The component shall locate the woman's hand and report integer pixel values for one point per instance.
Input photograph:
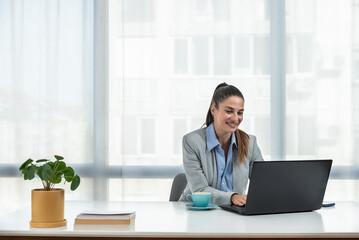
(239, 200)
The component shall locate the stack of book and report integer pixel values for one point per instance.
(105, 217)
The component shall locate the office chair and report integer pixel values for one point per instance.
(178, 185)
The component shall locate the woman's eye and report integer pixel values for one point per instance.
(228, 111)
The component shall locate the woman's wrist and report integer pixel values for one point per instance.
(232, 197)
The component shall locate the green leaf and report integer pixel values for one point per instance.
(24, 170)
(39, 171)
(69, 174)
(51, 164)
(75, 182)
(57, 178)
(58, 157)
(26, 175)
(42, 160)
(46, 172)
(31, 172)
(27, 162)
(59, 166)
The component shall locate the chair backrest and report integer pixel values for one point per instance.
(178, 185)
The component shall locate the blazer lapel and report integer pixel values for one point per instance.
(211, 160)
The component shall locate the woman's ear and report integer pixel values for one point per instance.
(213, 109)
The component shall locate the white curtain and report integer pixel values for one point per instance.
(321, 84)
(46, 90)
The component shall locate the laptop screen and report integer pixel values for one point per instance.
(287, 186)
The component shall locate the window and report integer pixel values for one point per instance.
(164, 59)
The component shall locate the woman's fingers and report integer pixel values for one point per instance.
(239, 200)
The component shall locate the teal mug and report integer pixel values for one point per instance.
(199, 199)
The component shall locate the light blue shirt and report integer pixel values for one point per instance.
(224, 168)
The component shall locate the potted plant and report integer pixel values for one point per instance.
(47, 203)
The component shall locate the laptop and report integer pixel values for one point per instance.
(285, 186)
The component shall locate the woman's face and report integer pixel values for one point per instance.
(228, 115)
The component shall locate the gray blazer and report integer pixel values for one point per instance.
(201, 168)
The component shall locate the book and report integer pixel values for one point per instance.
(105, 227)
(105, 217)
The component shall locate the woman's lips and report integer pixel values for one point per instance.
(232, 125)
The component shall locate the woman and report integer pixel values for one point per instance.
(218, 158)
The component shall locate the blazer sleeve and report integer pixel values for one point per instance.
(197, 171)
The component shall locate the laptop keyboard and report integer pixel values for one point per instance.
(238, 207)
(234, 208)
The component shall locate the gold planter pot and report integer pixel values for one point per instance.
(47, 208)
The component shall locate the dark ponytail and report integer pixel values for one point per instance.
(217, 98)
(222, 92)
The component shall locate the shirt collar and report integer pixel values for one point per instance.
(212, 140)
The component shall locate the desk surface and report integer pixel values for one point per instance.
(172, 219)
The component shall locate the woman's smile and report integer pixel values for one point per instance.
(232, 124)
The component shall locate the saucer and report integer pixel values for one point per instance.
(208, 207)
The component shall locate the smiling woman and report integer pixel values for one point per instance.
(226, 113)
(218, 158)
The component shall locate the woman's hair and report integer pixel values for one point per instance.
(222, 92)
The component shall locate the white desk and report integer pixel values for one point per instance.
(172, 220)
